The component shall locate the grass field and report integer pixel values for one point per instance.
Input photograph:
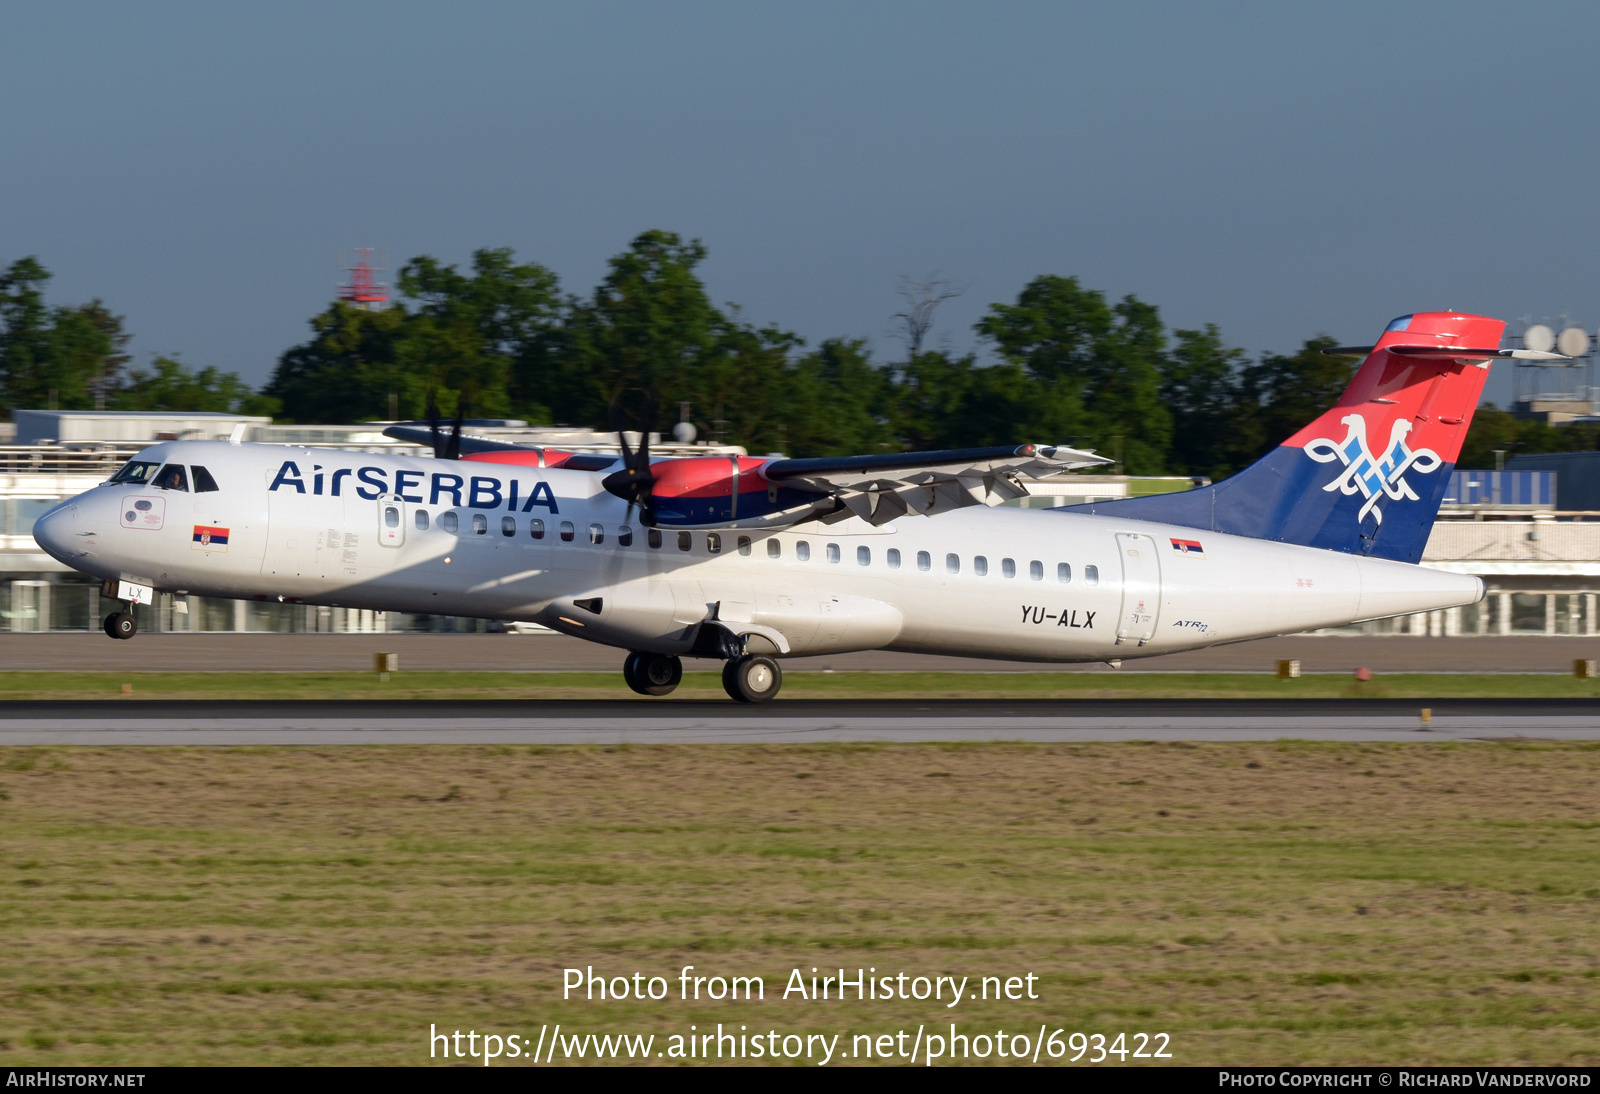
(797, 685)
(1261, 903)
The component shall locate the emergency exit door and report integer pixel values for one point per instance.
(1141, 588)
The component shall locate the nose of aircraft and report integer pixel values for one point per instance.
(54, 531)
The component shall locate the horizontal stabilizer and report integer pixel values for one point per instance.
(1449, 353)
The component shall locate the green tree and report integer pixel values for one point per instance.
(1280, 395)
(1199, 384)
(65, 356)
(1100, 365)
(839, 403)
(349, 370)
(168, 385)
(488, 336)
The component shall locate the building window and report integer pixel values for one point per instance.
(1064, 573)
(833, 552)
(422, 520)
(802, 551)
(952, 564)
(713, 542)
(1036, 570)
(508, 526)
(924, 561)
(892, 557)
(449, 522)
(536, 528)
(744, 545)
(980, 566)
(1091, 575)
(653, 537)
(597, 534)
(567, 531)
(624, 536)
(685, 540)
(774, 548)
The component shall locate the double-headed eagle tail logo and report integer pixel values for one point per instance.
(1374, 476)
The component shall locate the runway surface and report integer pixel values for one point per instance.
(253, 722)
(559, 653)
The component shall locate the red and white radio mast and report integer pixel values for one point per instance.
(361, 290)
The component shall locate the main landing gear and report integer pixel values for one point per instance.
(652, 673)
(747, 678)
(121, 625)
(752, 678)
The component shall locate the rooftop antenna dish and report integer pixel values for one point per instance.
(1539, 337)
(1573, 342)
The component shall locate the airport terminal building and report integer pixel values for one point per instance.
(1540, 562)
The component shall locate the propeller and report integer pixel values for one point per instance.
(634, 483)
(446, 448)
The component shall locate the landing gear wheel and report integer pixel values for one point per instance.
(752, 679)
(121, 625)
(652, 673)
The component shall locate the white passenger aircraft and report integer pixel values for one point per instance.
(751, 560)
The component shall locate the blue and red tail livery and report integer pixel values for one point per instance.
(1367, 476)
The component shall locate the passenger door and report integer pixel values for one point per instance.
(1141, 587)
(391, 521)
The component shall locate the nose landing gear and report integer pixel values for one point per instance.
(652, 673)
(752, 678)
(121, 625)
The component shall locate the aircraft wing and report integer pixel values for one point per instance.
(881, 488)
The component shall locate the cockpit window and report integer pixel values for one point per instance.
(203, 481)
(136, 471)
(173, 477)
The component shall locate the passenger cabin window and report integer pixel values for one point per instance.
(833, 552)
(685, 541)
(892, 557)
(952, 564)
(536, 528)
(567, 531)
(173, 477)
(713, 542)
(802, 551)
(863, 556)
(653, 537)
(744, 545)
(508, 526)
(422, 520)
(203, 482)
(1064, 573)
(448, 521)
(1008, 567)
(924, 561)
(138, 472)
(480, 524)
(1091, 575)
(1036, 570)
(597, 534)
(980, 566)
(391, 516)
(624, 536)
(774, 548)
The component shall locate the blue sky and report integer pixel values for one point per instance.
(1279, 169)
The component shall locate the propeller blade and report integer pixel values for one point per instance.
(453, 448)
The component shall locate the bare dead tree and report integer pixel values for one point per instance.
(922, 300)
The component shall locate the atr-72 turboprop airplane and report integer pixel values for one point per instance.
(751, 560)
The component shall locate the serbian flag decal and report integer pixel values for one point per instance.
(1190, 547)
(207, 538)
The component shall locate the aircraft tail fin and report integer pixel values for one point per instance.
(1366, 477)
